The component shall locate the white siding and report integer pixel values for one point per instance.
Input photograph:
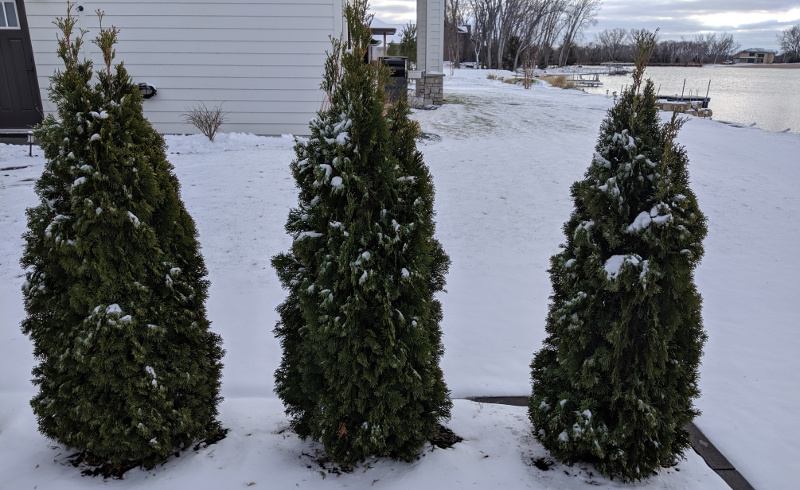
(430, 35)
(262, 59)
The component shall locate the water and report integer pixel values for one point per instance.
(768, 97)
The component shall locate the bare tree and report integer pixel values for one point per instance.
(578, 15)
(534, 25)
(612, 42)
(453, 20)
(789, 40)
(484, 15)
(551, 27)
(723, 47)
(528, 29)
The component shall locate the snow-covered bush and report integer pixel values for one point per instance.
(128, 369)
(360, 326)
(615, 379)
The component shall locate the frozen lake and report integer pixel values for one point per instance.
(769, 97)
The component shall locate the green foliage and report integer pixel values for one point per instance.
(408, 44)
(128, 369)
(614, 381)
(360, 326)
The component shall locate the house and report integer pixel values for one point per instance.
(459, 47)
(261, 60)
(754, 55)
(20, 99)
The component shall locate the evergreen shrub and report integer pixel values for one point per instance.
(615, 379)
(360, 326)
(128, 370)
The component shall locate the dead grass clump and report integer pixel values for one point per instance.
(560, 81)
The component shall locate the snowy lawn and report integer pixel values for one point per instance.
(502, 159)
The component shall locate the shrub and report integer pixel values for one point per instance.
(360, 326)
(615, 379)
(206, 120)
(128, 369)
(560, 81)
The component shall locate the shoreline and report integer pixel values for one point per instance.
(695, 65)
(763, 65)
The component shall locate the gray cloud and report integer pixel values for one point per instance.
(675, 18)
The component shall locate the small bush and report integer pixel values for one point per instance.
(560, 81)
(492, 76)
(206, 120)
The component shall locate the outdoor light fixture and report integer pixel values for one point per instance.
(30, 143)
(147, 90)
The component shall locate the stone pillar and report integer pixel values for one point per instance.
(430, 53)
(430, 90)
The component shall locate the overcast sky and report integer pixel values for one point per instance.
(753, 23)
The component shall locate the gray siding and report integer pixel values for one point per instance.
(430, 35)
(262, 59)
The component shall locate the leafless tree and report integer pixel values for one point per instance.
(534, 25)
(723, 47)
(551, 26)
(484, 15)
(528, 29)
(789, 40)
(613, 42)
(454, 19)
(578, 15)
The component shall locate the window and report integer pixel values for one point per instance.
(8, 15)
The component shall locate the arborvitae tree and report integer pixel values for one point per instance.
(360, 326)
(615, 379)
(128, 369)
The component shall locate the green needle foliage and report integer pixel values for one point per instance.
(360, 326)
(128, 369)
(615, 379)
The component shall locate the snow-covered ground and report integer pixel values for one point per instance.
(503, 159)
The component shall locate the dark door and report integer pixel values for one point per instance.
(20, 102)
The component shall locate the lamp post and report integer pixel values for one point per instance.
(30, 143)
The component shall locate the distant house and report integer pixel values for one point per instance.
(458, 43)
(261, 59)
(754, 55)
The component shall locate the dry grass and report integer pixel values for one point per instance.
(559, 81)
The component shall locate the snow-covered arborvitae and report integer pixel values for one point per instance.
(360, 327)
(615, 379)
(128, 369)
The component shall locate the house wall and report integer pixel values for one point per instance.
(430, 35)
(755, 56)
(261, 59)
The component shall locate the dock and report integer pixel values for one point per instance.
(692, 105)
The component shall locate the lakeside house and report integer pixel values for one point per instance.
(260, 60)
(754, 55)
